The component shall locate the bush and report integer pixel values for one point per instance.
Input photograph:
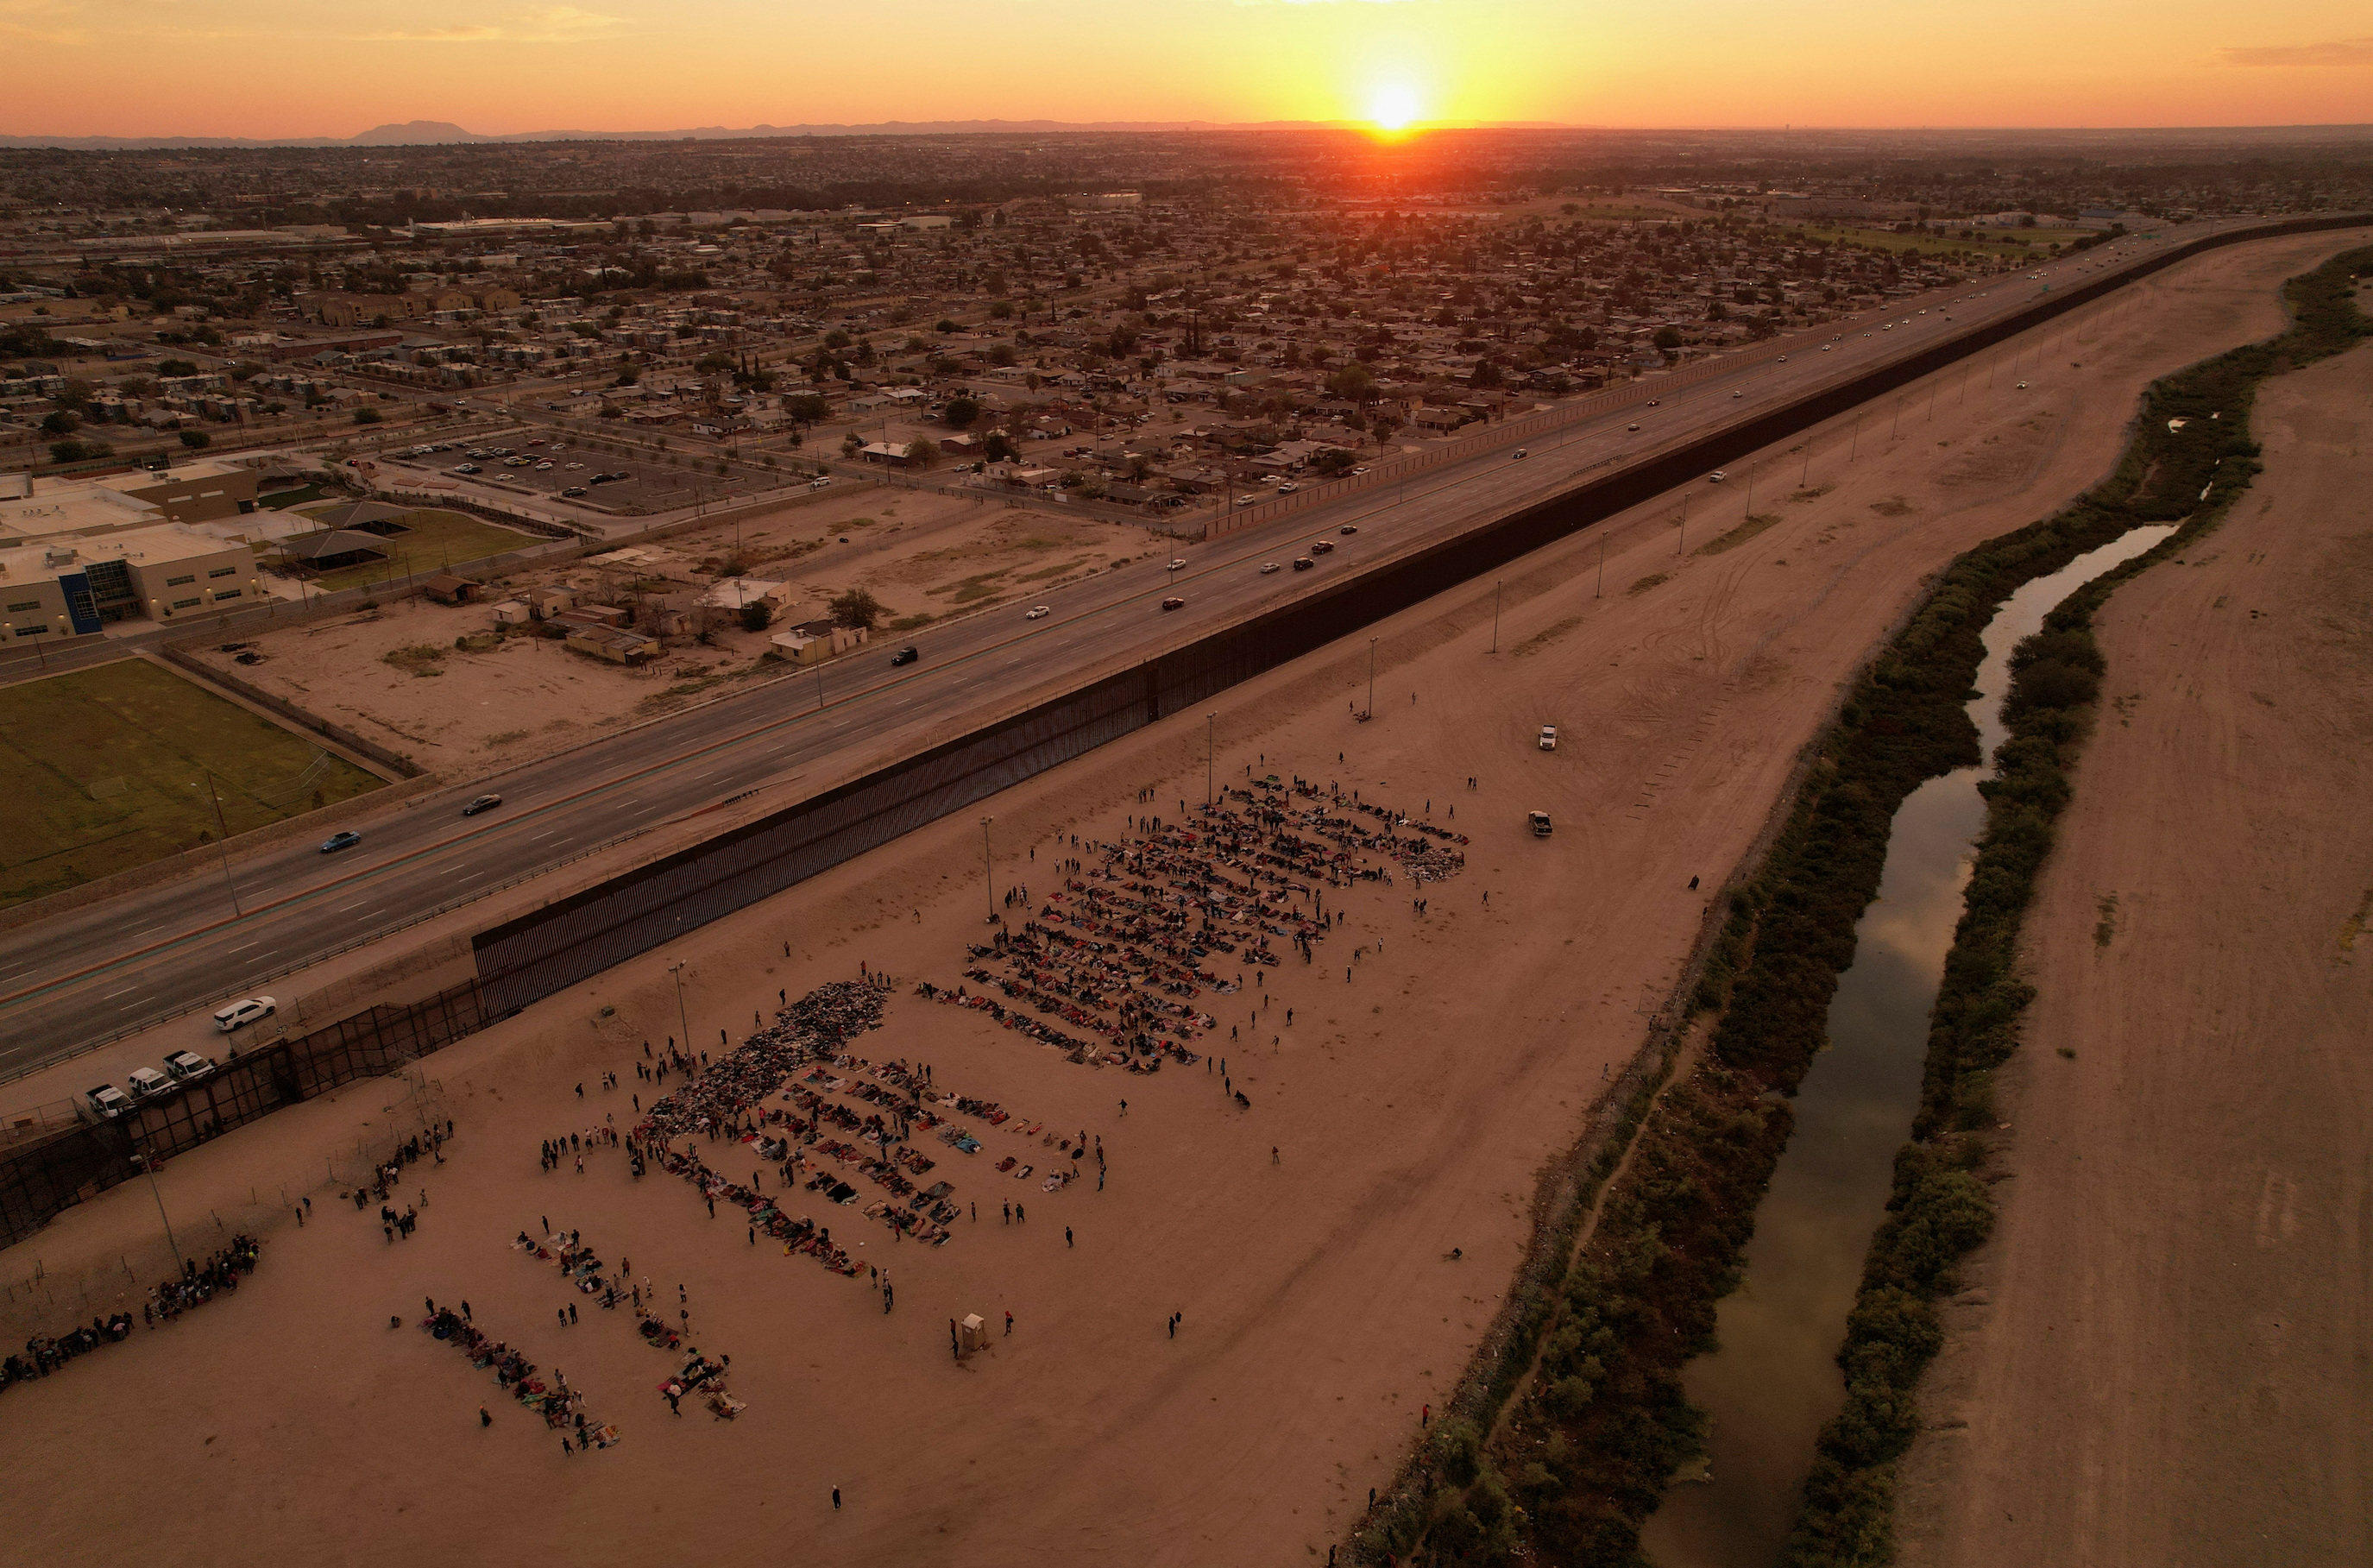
(857, 609)
(757, 615)
(196, 441)
(367, 415)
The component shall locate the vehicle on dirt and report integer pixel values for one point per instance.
(237, 1013)
(1540, 821)
(1548, 737)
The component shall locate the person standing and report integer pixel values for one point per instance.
(835, 1499)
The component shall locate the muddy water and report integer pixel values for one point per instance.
(1775, 1380)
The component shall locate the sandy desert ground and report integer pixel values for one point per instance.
(2161, 1356)
(1408, 1108)
(467, 713)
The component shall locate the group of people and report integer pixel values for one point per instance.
(560, 1406)
(196, 1284)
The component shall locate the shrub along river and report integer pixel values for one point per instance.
(1775, 1381)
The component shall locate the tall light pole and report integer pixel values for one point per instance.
(988, 870)
(148, 1163)
(1681, 539)
(222, 841)
(1600, 591)
(683, 1021)
(1372, 677)
(1495, 616)
(1210, 750)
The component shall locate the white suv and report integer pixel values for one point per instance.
(238, 1012)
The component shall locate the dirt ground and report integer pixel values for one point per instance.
(463, 713)
(2162, 1354)
(1407, 1107)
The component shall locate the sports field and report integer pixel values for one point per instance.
(107, 768)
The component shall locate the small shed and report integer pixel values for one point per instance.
(448, 588)
(613, 643)
(971, 1333)
(511, 613)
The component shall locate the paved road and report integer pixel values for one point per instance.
(88, 974)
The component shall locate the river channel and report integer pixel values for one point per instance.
(1774, 1381)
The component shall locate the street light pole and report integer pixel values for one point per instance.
(222, 841)
(1372, 677)
(1210, 750)
(683, 1021)
(988, 870)
(1600, 591)
(1496, 585)
(148, 1162)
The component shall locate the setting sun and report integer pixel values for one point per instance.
(1392, 107)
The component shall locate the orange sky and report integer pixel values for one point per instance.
(298, 67)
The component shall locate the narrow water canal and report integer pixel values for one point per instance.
(1774, 1381)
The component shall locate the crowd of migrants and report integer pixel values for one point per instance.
(195, 1285)
(583, 1269)
(556, 1402)
(1127, 947)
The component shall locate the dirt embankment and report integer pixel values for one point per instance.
(2162, 1355)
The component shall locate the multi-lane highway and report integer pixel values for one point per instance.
(88, 974)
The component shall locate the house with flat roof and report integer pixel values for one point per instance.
(166, 572)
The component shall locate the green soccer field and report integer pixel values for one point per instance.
(106, 769)
(432, 539)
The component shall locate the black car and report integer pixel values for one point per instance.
(574, 490)
(1303, 563)
(337, 841)
(906, 656)
(483, 803)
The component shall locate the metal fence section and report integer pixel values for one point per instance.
(41, 1177)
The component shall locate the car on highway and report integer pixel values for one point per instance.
(346, 840)
(1717, 476)
(1322, 546)
(1738, 391)
(1246, 501)
(1347, 529)
(1549, 738)
(188, 1067)
(1303, 563)
(820, 482)
(1362, 468)
(1828, 346)
(1520, 451)
(234, 1014)
(1653, 401)
(2022, 386)
(103, 1103)
(1177, 565)
(483, 803)
(1287, 490)
(1630, 427)
(1173, 602)
(573, 491)
(1268, 567)
(1037, 612)
(906, 655)
(1783, 359)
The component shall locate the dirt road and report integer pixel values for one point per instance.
(2163, 1354)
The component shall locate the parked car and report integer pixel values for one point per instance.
(906, 655)
(188, 1067)
(233, 1016)
(105, 1103)
(1037, 612)
(483, 803)
(346, 839)
(573, 491)
(1174, 603)
(1548, 737)
(466, 468)
(1540, 821)
(1717, 476)
(146, 1082)
(1267, 566)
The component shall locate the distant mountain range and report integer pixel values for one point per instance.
(444, 133)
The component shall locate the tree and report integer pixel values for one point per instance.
(367, 415)
(808, 408)
(757, 614)
(960, 413)
(857, 609)
(922, 453)
(196, 441)
(60, 423)
(1353, 383)
(176, 368)
(851, 444)
(1666, 338)
(999, 448)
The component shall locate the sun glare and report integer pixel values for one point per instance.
(1392, 107)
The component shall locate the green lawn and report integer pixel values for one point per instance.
(105, 768)
(434, 539)
(1937, 244)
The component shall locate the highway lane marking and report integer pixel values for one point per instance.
(542, 836)
(243, 947)
(355, 905)
(125, 992)
(1460, 472)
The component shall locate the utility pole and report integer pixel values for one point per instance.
(1372, 677)
(1496, 585)
(1855, 445)
(222, 841)
(1681, 539)
(987, 868)
(1211, 750)
(1600, 591)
